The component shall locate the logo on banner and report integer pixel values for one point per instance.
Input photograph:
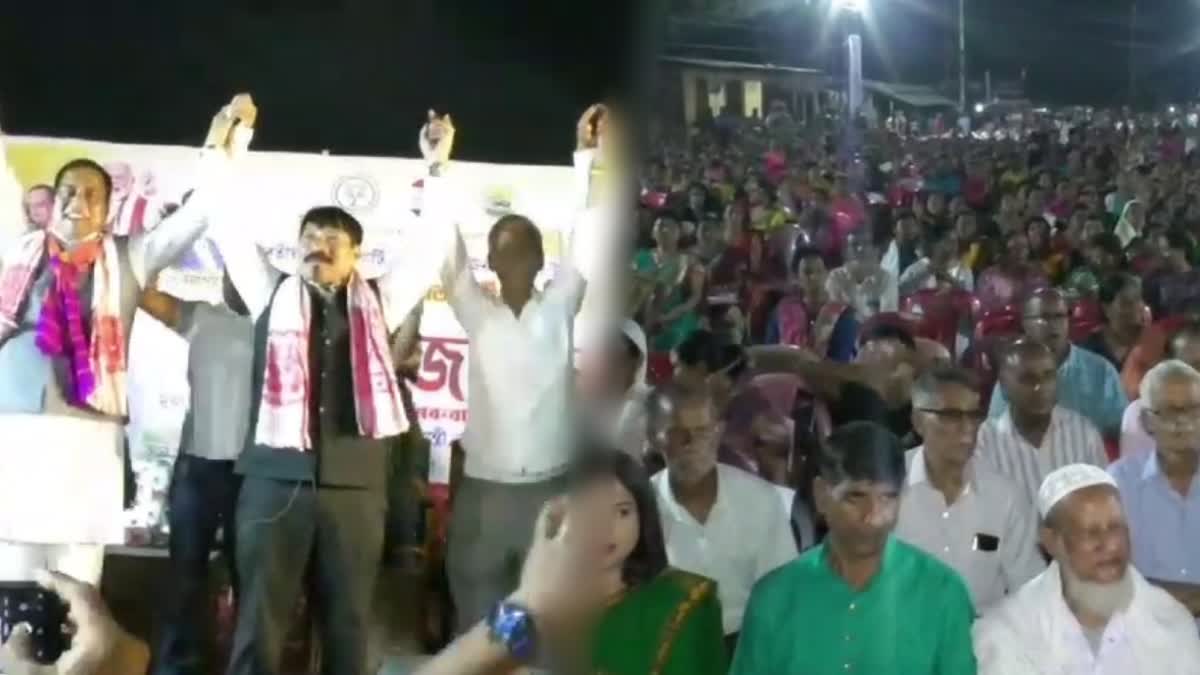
(356, 193)
(498, 200)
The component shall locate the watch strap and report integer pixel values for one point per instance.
(511, 625)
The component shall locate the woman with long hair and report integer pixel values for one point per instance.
(659, 620)
(1124, 319)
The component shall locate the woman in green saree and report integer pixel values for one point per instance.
(659, 621)
(669, 287)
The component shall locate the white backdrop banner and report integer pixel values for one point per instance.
(273, 191)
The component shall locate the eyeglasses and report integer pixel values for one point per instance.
(1177, 418)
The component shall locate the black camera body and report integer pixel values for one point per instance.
(44, 612)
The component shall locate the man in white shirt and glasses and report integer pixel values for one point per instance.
(957, 509)
(1090, 612)
(520, 378)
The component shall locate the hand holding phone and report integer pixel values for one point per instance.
(42, 611)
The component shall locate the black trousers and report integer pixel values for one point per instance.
(282, 527)
(202, 499)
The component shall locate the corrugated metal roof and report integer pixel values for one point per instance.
(738, 65)
(917, 95)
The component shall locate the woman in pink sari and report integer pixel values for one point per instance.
(1014, 276)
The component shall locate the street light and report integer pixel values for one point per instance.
(979, 108)
(857, 11)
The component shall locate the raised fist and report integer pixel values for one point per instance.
(437, 138)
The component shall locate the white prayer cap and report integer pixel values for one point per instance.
(1068, 479)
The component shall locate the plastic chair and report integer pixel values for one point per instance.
(993, 331)
(658, 367)
(942, 314)
(1086, 318)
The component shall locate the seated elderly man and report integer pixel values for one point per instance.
(1135, 439)
(1087, 383)
(1090, 611)
(1037, 433)
(1161, 489)
(718, 521)
(957, 509)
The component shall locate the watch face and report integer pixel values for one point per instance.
(512, 625)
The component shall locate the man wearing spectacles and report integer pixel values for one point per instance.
(1087, 383)
(961, 511)
(1161, 489)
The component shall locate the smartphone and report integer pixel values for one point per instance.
(44, 612)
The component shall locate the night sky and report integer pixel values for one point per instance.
(1074, 51)
(351, 76)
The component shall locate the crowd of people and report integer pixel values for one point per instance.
(930, 405)
(963, 364)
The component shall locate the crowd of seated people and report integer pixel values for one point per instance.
(995, 305)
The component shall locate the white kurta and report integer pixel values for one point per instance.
(70, 487)
(1034, 633)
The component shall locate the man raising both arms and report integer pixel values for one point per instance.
(68, 295)
(520, 376)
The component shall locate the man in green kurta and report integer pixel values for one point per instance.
(863, 601)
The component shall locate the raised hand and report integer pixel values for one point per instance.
(239, 111)
(437, 139)
(592, 126)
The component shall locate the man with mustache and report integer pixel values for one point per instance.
(68, 295)
(718, 520)
(325, 408)
(862, 601)
(1090, 611)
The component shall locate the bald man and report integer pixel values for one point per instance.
(1036, 433)
(1087, 383)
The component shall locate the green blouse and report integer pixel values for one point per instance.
(668, 626)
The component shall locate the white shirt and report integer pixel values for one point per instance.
(1034, 633)
(989, 506)
(1071, 438)
(520, 376)
(747, 535)
(1135, 440)
(520, 372)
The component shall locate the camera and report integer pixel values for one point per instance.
(44, 612)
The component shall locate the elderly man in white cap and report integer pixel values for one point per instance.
(1090, 611)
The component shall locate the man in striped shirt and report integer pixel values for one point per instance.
(1087, 383)
(1035, 434)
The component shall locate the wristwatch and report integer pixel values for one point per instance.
(511, 625)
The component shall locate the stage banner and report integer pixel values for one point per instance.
(271, 193)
